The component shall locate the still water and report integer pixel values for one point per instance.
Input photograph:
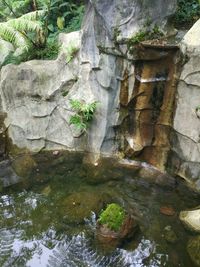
(48, 219)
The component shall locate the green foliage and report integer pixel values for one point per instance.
(113, 217)
(16, 31)
(63, 15)
(144, 35)
(84, 113)
(50, 51)
(187, 13)
(36, 32)
(71, 51)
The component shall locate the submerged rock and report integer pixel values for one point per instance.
(191, 219)
(79, 205)
(167, 210)
(193, 249)
(23, 165)
(169, 235)
(8, 176)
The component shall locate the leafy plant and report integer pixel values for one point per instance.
(144, 35)
(113, 217)
(187, 13)
(16, 31)
(71, 51)
(84, 113)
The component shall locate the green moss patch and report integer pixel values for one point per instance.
(113, 217)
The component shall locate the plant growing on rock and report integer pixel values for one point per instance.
(71, 51)
(144, 35)
(84, 113)
(113, 217)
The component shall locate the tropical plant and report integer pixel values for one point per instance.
(16, 31)
(84, 113)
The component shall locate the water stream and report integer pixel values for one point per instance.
(42, 220)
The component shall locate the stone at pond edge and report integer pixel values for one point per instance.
(193, 249)
(23, 165)
(167, 210)
(111, 239)
(79, 205)
(191, 219)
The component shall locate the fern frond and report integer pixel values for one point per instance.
(9, 34)
(24, 25)
(35, 15)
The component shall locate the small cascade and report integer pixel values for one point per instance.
(149, 113)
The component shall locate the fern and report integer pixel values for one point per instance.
(9, 34)
(84, 113)
(15, 30)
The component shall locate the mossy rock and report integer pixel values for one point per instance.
(23, 165)
(114, 226)
(113, 217)
(193, 249)
(79, 205)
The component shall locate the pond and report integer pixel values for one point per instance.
(49, 217)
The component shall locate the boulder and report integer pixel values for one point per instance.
(193, 249)
(191, 219)
(23, 165)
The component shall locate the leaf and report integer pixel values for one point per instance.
(60, 23)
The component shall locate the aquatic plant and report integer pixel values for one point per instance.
(113, 217)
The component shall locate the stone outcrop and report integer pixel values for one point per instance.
(191, 219)
(186, 138)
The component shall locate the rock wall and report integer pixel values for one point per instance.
(185, 158)
(36, 95)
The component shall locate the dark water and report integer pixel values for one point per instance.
(41, 218)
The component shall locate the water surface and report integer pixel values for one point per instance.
(42, 225)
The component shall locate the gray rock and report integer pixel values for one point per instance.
(5, 49)
(191, 219)
(186, 141)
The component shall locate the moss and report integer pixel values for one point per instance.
(113, 217)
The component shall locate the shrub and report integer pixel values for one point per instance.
(187, 13)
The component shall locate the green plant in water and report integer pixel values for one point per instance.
(84, 113)
(113, 217)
